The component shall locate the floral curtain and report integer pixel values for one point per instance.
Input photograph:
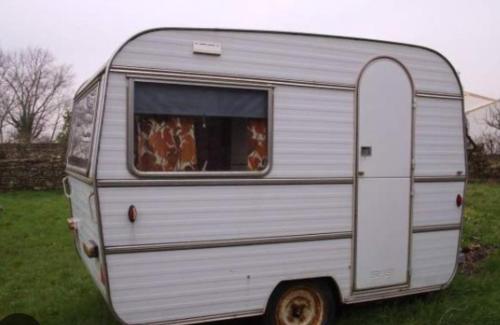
(165, 144)
(169, 144)
(257, 144)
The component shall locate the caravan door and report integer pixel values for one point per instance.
(384, 175)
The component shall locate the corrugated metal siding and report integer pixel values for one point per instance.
(179, 214)
(313, 132)
(433, 257)
(268, 55)
(164, 286)
(439, 141)
(112, 160)
(87, 226)
(435, 203)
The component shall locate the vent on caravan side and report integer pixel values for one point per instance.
(211, 48)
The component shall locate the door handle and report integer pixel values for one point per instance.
(361, 173)
(366, 151)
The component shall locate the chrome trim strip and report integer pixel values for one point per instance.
(395, 292)
(446, 227)
(438, 95)
(439, 179)
(126, 249)
(79, 177)
(250, 181)
(220, 182)
(221, 78)
(140, 72)
(378, 289)
(217, 317)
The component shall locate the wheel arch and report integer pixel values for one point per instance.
(327, 281)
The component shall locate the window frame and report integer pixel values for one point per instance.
(131, 80)
(84, 171)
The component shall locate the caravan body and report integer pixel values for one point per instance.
(207, 168)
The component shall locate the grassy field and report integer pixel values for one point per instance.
(41, 275)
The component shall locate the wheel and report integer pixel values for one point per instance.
(302, 303)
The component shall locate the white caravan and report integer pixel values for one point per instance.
(217, 174)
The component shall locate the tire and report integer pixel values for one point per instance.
(301, 303)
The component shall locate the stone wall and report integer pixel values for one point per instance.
(31, 166)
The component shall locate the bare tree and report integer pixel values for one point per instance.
(491, 139)
(38, 88)
(490, 143)
(493, 117)
(59, 119)
(63, 135)
(6, 96)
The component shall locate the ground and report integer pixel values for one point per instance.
(41, 275)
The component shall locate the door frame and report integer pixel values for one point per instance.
(406, 284)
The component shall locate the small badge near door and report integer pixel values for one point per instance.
(366, 151)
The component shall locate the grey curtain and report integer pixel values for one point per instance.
(187, 100)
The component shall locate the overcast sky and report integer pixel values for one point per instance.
(85, 33)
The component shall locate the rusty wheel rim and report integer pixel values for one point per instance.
(300, 306)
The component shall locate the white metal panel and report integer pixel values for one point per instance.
(112, 160)
(435, 203)
(97, 131)
(313, 132)
(382, 232)
(439, 140)
(385, 116)
(285, 56)
(434, 255)
(172, 285)
(194, 213)
(81, 210)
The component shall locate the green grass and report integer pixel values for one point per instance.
(41, 275)
(482, 217)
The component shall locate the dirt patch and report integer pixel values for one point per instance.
(473, 254)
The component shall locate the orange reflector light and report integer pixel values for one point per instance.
(132, 213)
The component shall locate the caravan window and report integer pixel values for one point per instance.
(194, 128)
(82, 129)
